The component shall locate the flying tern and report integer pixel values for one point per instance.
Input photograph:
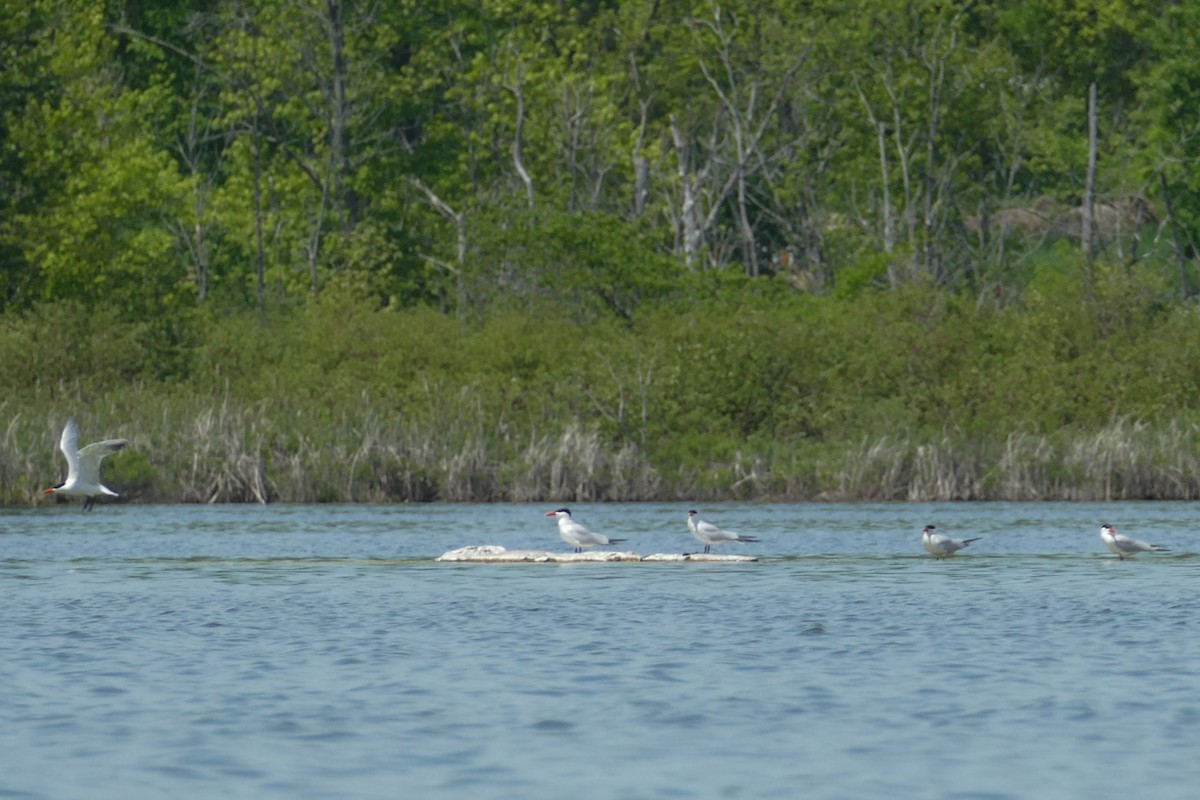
(83, 466)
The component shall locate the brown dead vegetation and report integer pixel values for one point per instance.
(1121, 216)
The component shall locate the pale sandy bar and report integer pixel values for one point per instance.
(495, 554)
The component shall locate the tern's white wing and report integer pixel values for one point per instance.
(584, 536)
(940, 543)
(936, 542)
(574, 533)
(88, 463)
(571, 531)
(711, 533)
(1127, 544)
(69, 444)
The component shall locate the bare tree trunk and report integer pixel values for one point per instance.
(1087, 219)
(929, 249)
(202, 268)
(459, 220)
(641, 167)
(316, 236)
(749, 245)
(885, 184)
(641, 185)
(518, 90)
(1177, 245)
(339, 145)
(195, 236)
(889, 224)
(687, 212)
(260, 266)
(903, 150)
(645, 382)
(574, 113)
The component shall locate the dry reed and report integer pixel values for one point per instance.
(193, 451)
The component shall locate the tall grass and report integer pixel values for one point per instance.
(897, 396)
(224, 452)
(1126, 460)
(575, 465)
(197, 450)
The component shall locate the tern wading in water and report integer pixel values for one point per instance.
(710, 534)
(83, 466)
(575, 534)
(1126, 546)
(941, 545)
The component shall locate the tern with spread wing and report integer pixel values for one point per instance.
(710, 534)
(941, 545)
(83, 466)
(575, 534)
(1126, 546)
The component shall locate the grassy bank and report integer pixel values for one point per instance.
(1076, 393)
(195, 452)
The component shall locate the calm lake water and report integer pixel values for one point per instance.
(318, 652)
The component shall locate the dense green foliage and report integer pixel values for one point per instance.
(341, 250)
(912, 393)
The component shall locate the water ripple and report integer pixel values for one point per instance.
(313, 652)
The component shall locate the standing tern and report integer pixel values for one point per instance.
(83, 466)
(1126, 546)
(941, 545)
(575, 534)
(710, 534)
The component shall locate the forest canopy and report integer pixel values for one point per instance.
(724, 248)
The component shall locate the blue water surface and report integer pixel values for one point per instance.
(320, 652)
